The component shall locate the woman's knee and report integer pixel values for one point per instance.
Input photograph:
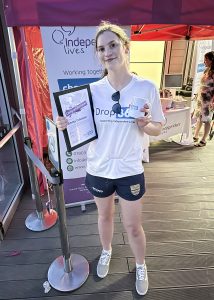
(133, 229)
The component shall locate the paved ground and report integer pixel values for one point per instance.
(178, 218)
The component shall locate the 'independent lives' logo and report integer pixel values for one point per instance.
(65, 37)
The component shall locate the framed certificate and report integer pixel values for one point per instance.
(76, 106)
(53, 143)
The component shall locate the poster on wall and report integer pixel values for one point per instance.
(70, 62)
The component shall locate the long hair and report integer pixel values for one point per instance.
(107, 26)
(210, 56)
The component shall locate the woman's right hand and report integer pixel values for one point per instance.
(61, 123)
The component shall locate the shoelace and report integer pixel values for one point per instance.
(104, 258)
(140, 273)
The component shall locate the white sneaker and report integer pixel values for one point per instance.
(103, 264)
(142, 283)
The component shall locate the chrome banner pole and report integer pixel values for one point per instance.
(69, 271)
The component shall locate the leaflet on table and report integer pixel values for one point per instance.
(76, 105)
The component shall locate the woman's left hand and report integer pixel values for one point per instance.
(143, 121)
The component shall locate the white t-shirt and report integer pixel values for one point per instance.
(118, 150)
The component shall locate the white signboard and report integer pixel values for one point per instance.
(71, 61)
(202, 47)
(177, 121)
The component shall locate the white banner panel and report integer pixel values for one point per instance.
(202, 47)
(177, 121)
(71, 61)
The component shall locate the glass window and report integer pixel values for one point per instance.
(146, 59)
(10, 178)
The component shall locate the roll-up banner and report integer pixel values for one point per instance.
(202, 47)
(71, 61)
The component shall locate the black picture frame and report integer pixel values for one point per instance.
(74, 108)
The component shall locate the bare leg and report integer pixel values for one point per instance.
(131, 213)
(106, 209)
(207, 127)
(197, 128)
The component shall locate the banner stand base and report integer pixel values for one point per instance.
(41, 221)
(60, 280)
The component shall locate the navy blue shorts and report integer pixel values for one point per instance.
(129, 188)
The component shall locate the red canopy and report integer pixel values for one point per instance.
(167, 32)
(123, 12)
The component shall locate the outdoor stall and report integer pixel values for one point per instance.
(178, 126)
(61, 22)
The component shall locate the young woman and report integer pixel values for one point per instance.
(205, 101)
(114, 160)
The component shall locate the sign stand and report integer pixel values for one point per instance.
(69, 271)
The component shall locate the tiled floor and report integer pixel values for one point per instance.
(178, 218)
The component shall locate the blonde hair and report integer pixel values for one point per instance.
(120, 33)
(107, 26)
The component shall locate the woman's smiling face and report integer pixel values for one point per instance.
(111, 51)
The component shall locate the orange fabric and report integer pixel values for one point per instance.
(36, 113)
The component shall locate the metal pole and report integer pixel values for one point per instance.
(39, 220)
(58, 190)
(69, 271)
